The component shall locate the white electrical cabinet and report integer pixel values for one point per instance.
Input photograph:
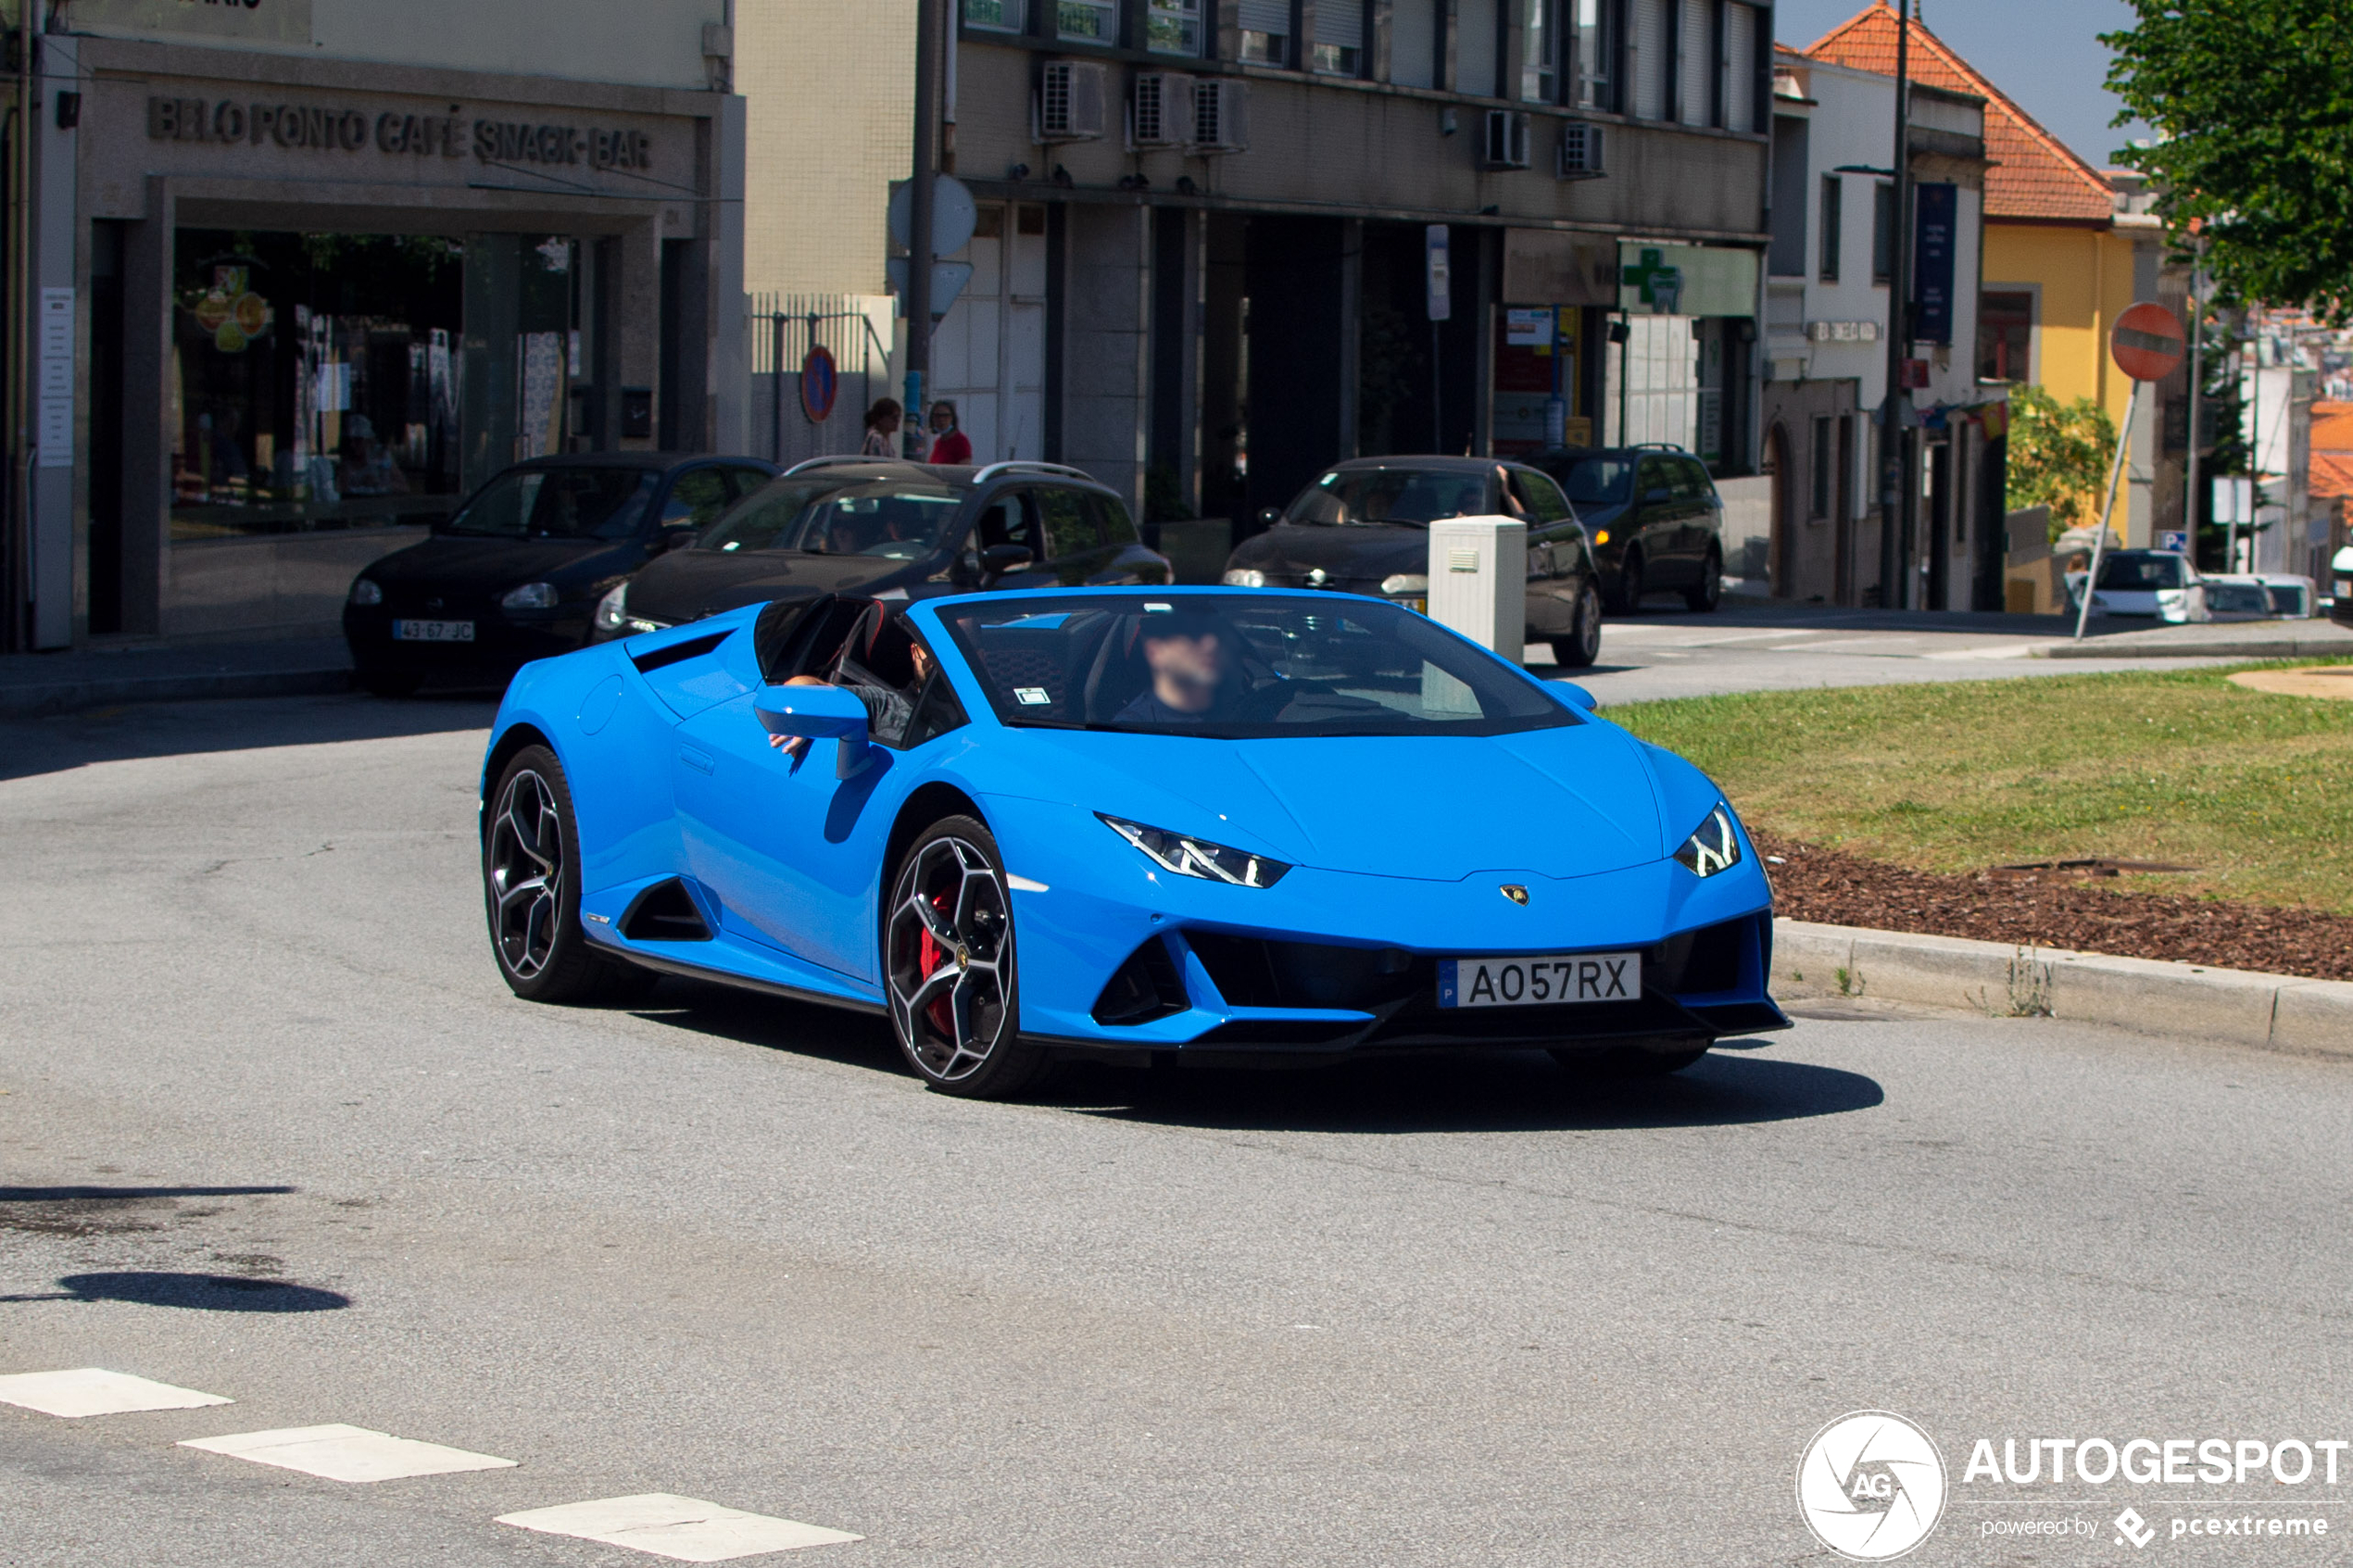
(1478, 580)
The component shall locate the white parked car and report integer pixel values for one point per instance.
(2341, 572)
(2160, 584)
(2262, 596)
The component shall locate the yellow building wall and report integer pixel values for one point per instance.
(830, 91)
(2085, 278)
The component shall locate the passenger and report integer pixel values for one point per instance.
(1188, 661)
(887, 709)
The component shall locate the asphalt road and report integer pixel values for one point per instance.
(1666, 651)
(1426, 1313)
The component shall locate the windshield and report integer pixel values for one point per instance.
(1239, 666)
(2235, 598)
(1389, 495)
(1600, 480)
(2142, 572)
(558, 504)
(893, 519)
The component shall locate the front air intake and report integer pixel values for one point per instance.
(1146, 986)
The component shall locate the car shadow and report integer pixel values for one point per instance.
(1471, 1091)
(63, 742)
(204, 1293)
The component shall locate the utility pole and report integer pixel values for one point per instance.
(1895, 499)
(2198, 379)
(16, 583)
(919, 198)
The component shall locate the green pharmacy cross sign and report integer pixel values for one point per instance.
(1661, 284)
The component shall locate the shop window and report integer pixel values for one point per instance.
(1086, 21)
(2004, 335)
(996, 16)
(313, 381)
(522, 351)
(1173, 27)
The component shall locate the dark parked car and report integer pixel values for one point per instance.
(1363, 527)
(516, 573)
(1656, 520)
(875, 526)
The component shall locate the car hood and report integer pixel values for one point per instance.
(689, 585)
(448, 561)
(1561, 802)
(1371, 551)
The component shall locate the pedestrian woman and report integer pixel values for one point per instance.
(882, 429)
(949, 444)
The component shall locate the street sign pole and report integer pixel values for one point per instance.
(917, 298)
(1894, 537)
(2146, 346)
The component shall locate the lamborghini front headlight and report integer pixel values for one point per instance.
(1187, 856)
(1714, 846)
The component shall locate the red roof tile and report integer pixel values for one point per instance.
(2333, 427)
(2332, 475)
(2034, 175)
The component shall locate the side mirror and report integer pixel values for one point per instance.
(679, 538)
(817, 713)
(1578, 696)
(999, 559)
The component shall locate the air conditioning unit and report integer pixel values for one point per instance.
(1160, 114)
(1221, 116)
(1069, 105)
(1580, 151)
(1506, 146)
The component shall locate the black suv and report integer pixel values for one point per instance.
(876, 527)
(1655, 520)
(515, 573)
(1363, 527)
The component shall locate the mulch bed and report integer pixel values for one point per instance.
(2054, 910)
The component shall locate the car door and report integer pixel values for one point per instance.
(794, 852)
(1699, 524)
(1555, 552)
(1653, 512)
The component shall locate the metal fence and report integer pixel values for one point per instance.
(782, 329)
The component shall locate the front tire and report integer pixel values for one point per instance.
(1628, 595)
(949, 965)
(1583, 645)
(531, 892)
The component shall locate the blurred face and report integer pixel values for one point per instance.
(943, 419)
(1187, 671)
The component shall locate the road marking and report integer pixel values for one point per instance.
(347, 1453)
(94, 1392)
(684, 1529)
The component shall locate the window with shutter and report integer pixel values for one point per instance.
(1740, 66)
(1412, 42)
(1650, 60)
(1265, 27)
(1475, 41)
(1696, 62)
(1339, 37)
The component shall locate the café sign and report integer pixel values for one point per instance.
(328, 127)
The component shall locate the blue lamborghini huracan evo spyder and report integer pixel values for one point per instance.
(1247, 823)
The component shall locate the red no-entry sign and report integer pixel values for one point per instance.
(820, 383)
(2148, 342)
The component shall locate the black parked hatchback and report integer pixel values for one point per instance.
(516, 573)
(1655, 520)
(1363, 527)
(877, 527)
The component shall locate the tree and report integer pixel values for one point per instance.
(2252, 103)
(2058, 457)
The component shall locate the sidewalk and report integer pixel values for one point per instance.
(2241, 639)
(36, 683)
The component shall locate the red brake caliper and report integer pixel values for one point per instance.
(928, 957)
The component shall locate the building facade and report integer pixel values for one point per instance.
(1207, 232)
(304, 272)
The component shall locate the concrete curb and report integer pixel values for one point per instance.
(2318, 646)
(34, 701)
(2278, 1012)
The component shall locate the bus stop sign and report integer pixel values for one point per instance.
(2148, 342)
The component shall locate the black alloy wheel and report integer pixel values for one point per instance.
(532, 895)
(949, 965)
(1703, 596)
(1583, 645)
(1630, 585)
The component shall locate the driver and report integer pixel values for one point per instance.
(1190, 662)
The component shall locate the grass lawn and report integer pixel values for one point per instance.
(2255, 790)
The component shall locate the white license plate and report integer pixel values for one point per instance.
(433, 631)
(1547, 981)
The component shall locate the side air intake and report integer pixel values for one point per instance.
(664, 913)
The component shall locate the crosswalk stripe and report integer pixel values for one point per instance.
(683, 1529)
(347, 1453)
(94, 1392)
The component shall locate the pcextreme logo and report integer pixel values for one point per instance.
(1871, 1485)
